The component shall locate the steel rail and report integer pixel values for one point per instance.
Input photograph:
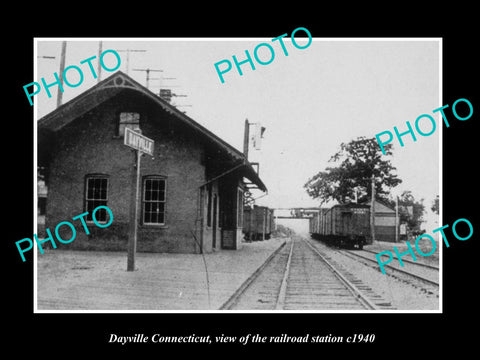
(232, 300)
(282, 294)
(352, 288)
(409, 261)
(419, 277)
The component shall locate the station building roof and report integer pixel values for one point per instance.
(120, 82)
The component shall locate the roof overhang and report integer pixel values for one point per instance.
(250, 173)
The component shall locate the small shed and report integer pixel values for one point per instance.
(384, 221)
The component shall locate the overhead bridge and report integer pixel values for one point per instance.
(297, 213)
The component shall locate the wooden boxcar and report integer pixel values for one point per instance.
(317, 223)
(258, 222)
(345, 225)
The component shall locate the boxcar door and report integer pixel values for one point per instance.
(346, 223)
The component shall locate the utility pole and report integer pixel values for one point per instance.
(372, 211)
(99, 67)
(265, 211)
(246, 136)
(148, 74)
(128, 51)
(62, 68)
(397, 220)
(256, 137)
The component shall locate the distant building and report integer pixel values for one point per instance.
(384, 221)
(41, 206)
(42, 197)
(191, 189)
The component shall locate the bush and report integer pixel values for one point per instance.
(282, 231)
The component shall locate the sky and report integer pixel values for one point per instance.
(310, 101)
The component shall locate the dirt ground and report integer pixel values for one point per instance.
(424, 245)
(94, 280)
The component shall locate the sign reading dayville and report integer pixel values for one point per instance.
(143, 145)
(138, 141)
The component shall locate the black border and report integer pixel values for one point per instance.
(88, 333)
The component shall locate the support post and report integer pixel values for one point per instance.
(372, 211)
(264, 223)
(132, 236)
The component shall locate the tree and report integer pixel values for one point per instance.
(357, 161)
(411, 211)
(435, 205)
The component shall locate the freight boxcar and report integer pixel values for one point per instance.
(317, 223)
(345, 225)
(258, 222)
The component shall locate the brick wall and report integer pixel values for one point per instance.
(88, 146)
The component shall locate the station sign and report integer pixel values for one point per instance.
(138, 142)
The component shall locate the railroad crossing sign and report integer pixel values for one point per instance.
(138, 142)
(141, 144)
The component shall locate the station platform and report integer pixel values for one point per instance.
(98, 281)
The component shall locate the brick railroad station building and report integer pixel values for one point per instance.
(193, 185)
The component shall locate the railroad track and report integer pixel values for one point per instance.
(428, 266)
(300, 277)
(397, 271)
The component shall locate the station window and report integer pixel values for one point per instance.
(130, 120)
(96, 194)
(153, 199)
